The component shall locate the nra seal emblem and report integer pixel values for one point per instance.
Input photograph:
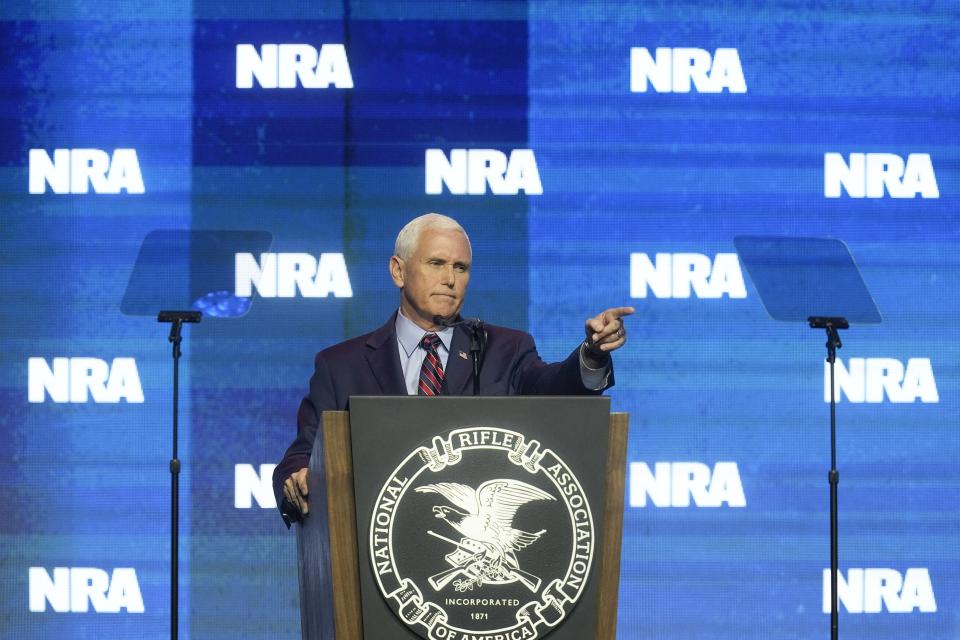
(482, 535)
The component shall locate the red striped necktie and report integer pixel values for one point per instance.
(431, 373)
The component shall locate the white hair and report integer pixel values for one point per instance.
(409, 236)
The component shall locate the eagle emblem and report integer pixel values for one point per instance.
(516, 529)
(486, 552)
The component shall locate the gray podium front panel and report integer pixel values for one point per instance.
(388, 431)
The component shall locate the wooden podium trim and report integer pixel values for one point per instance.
(612, 527)
(341, 511)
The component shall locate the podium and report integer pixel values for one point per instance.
(464, 517)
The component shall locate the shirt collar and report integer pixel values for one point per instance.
(409, 334)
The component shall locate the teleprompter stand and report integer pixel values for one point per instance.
(176, 320)
(190, 269)
(813, 280)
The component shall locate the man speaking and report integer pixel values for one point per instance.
(423, 350)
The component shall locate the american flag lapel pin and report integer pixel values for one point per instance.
(462, 354)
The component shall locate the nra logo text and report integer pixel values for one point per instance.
(251, 486)
(77, 380)
(284, 66)
(282, 275)
(677, 275)
(678, 484)
(79, 589)
(876, 175)
(472, 171)
(83, 170)
(878, 590)
(874, 380)
(675, 70)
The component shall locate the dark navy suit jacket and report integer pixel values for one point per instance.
(370, 365)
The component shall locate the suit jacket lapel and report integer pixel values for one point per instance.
(459, 371)
(384, 359)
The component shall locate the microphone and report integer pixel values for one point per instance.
(474, 324)
(478, 340)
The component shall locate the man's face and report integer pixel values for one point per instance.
(433, 281)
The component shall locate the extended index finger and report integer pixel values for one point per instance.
(618, 312)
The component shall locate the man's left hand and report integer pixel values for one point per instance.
(605, 333)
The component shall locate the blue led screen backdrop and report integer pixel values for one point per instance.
(599, 154)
